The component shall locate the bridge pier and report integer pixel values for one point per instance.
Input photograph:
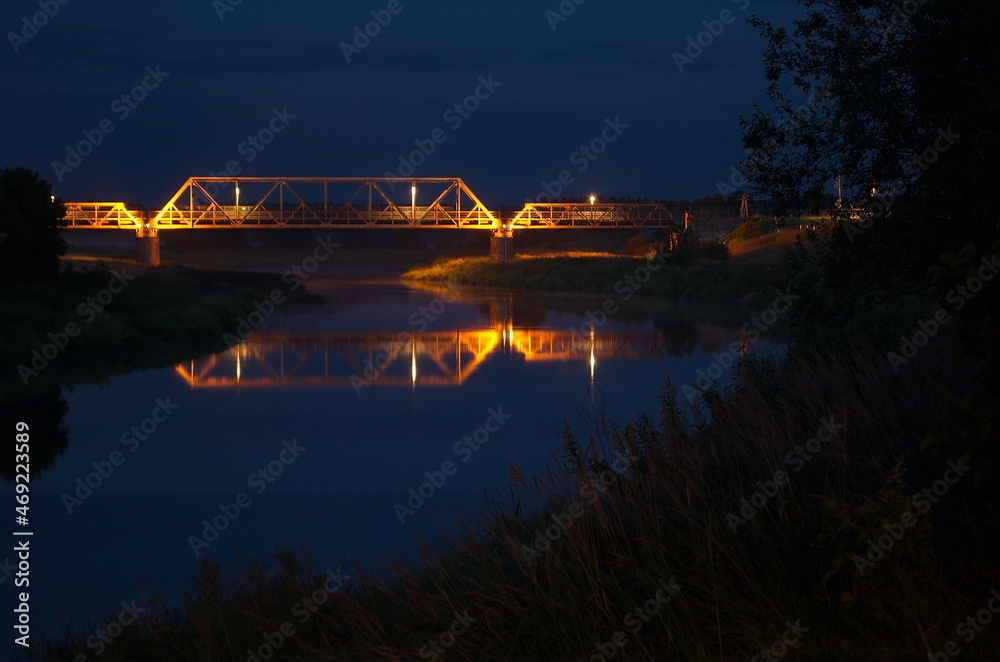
(502, 245)
(147, 246)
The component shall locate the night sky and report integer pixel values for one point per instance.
(231, 68)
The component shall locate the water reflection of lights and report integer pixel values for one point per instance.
(413, 363)
(445, 358)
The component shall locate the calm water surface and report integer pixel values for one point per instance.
(299, 381)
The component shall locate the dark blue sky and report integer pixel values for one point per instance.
(225, 78)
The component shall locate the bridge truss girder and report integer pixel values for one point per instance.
(103, 215)
(305, 202)
(275, 202)
(593, 215)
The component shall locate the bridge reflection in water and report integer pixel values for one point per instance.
(445, 358)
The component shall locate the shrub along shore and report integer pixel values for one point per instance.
(657, 276)
(696, 270)
(94, 322)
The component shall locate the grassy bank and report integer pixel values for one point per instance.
(721, 281)
(663, 539)
(108, 316)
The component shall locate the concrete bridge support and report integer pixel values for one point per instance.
(502, 245)
(147, 246)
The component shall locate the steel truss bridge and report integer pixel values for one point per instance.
(344, 202)
(352, 202)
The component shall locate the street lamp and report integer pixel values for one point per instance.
(592, 198)
(237, 201)
(413, 201)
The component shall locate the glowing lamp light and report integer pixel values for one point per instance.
(413, 364)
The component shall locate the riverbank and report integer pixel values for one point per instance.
(742, 279)
(743, 270)
(102, 317)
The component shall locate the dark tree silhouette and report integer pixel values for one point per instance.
(908, 104)
(45, 413)
(30, 221)
(902, 98)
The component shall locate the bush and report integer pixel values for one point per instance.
(749, 230)
(713, 250)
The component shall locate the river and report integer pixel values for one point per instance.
(311, 433)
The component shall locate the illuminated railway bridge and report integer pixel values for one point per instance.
(351, 202)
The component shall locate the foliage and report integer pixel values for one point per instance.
(30, 245)
(717, 280)
(971, 416)
(690, 248)
(904, 104)
(172, 307)
(758, 227)
(713, 250)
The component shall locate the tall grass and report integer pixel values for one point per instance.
(663, 513)
(726, 281)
